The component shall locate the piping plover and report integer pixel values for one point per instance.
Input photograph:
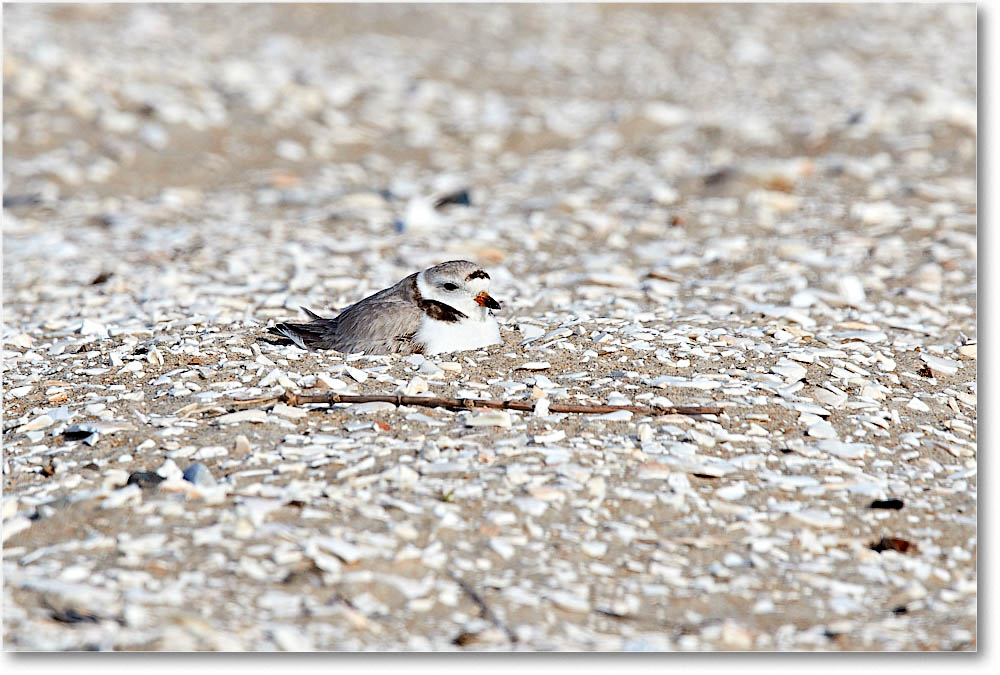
(445, 308)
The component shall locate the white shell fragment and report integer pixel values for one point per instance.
(818, 519)
(939, 365)
(288, 411)
(253, 415)
(498, 418)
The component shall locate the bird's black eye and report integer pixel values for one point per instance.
(448, 286)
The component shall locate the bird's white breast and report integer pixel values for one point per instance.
(441, 337)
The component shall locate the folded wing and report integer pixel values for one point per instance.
(384, 323)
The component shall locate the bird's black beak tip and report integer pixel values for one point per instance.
(485, 300)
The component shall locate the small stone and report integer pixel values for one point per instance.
(569, 601)
(968, 351)
(17, 523)
(242, 445)
(417, 385)
(732, 492)
(331, 383)
(354, 470)
(873, 392)
(290, 638)
(288, 411)
(402, 475)
(22, 340)
(918, 405)
(122, 496)
(851, 290)
(10, 505)
(530, 331)
(155, 356)
(531, 506)
(541, 407)
(736, 636)
(940, 366)
(877, 213)
(597, 487)
(534, 365)
(616, 416)
(40, 422)
(645, 433)
(551, 437)
(502, 548)
(145, 479)
(833, 399)
(817, 518)
(256, 509)
(790, 370)
(199, 474)
(290, 150)
(371, 407)
(170, 470)
(892, 504)
(253, 415)
(432, 370)
(885, 364)
(594, 549)
(843, 450)
(347, 552)
(498, 418)
(654, 471)
(870, 336)
(822, 430)
(501, 518)
(666, 114)
(208, 452)
(90, 327)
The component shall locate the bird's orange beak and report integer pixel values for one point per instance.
(485, 300)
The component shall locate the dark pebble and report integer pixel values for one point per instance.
(11, 201)
(73, 616)
(460, 198)
(719, 177)
(892, 544)
(199, 474)
(76, 434)
(894, 504)
(145, 479)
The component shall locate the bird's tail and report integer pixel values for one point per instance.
(288, 330)
(304, 335)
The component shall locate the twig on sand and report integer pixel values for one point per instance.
(293, 399)
(484, 609)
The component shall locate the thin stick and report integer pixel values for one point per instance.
(484, 609)
(331, 398)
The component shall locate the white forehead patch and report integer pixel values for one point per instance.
(477, 284)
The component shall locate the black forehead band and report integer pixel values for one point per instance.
(478, 274)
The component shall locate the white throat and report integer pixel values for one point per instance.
(477, 330)
(442, 337)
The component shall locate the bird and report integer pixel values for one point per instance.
(444, 308)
